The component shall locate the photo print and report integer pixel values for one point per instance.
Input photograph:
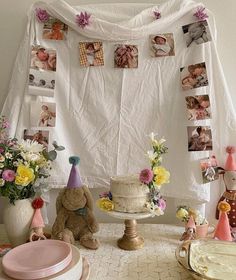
(41, 83)
(126, 56)
(198, 107)
(194, 76)
(209, 169)
(91, 54)
(199, 138)
(162, 45)
(54, 29)
(43, 114)
(39, 136)
(43, 59)
(196, 33)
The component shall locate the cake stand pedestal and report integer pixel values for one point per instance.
(130, 240)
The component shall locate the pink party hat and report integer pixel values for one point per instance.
(37, 220)
(230, 164)
(222, 231)
(191, 223)
(74, 180)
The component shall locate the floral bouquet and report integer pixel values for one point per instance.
(24, 165)
(184, 213)
(155, 176)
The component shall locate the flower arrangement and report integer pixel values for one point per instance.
(184, 213)
(24, 165)
(155, 176)
(83, 19)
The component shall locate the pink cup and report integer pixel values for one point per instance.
(202, 230)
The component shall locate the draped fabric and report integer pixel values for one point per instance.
(104, 114)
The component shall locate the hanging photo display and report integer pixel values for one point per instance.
(39, 136)
(54, 29)
(42, 71)
(199, 138)
(162, 45)
(126, 56)
(194, 76)
(196, 33)
(198, 107)
(41, 83)
(209, 169)
(43, 114)
(91, 54)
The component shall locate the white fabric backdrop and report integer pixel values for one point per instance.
(103, 114)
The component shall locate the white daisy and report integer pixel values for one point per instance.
(31, 146)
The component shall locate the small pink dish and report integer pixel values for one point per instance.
(37, 259)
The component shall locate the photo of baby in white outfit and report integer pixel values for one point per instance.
(162, 45)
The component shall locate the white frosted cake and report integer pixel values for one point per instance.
(129, 195)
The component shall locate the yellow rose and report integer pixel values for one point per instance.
(182, 214)
(224, 206)
(162, 176)
(105, 204)
(25, 175)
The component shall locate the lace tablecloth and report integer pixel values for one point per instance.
(156, 260)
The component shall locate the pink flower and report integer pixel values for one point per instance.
(82, 19)
(157, 14)
(1, 150)
(42, 15)
(162, 204)
(200, 14)
(146, 176)
(8, 175)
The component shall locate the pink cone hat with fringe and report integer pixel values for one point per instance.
(230, 164)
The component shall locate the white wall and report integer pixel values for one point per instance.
(13, 20)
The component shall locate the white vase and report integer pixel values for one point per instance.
(17, 220)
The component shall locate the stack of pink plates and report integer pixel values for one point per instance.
(37, 259)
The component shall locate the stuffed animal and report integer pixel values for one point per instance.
(75, 219)
(229, 177)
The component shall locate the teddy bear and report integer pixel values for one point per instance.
(74, 206)
(229, 177)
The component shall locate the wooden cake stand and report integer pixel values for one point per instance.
(130, 240)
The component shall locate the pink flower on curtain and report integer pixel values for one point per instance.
(157, 14)
(42, 15)
(83, 19)
(200, 13)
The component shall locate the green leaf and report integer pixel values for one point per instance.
(52, 155)
(54, 143)
(59, 148)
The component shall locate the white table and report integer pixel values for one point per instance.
(155, 261)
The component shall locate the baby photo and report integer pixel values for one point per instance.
(40, 136)
(194, 76)
(209, 169)
(41, 82)
(162, 45)
(196, 33)
(91, 54)
(43, 59)
(43, 114)
(126, 56)
(199, 138)
(54, 29)
(198, 107)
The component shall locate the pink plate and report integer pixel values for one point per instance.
(37, 259)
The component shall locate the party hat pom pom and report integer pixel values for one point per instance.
(74, 160)
(230, 150)
(37, 203)
(224, 206)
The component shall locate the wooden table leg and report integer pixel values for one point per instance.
(130, 240)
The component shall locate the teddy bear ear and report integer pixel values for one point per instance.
(89, 197)
(221, 170)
